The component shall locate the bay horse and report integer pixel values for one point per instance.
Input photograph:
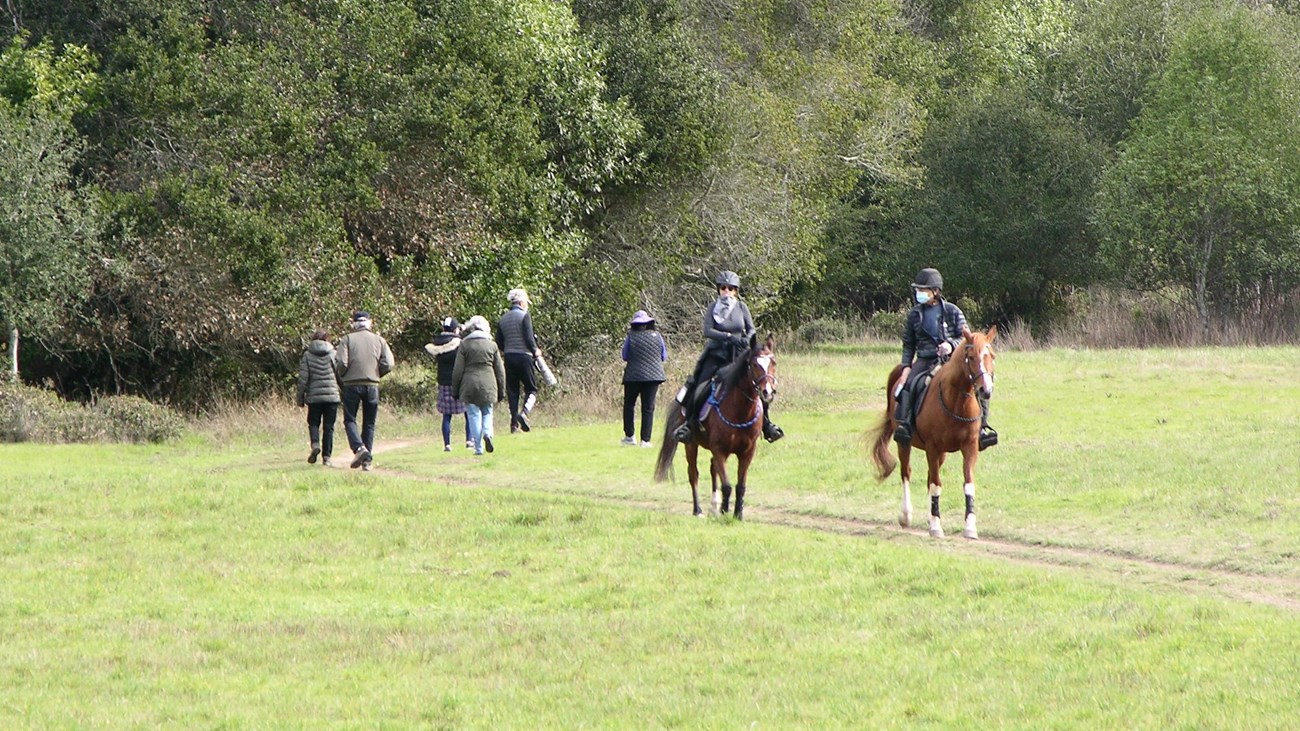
(734, 425)
(948, 420)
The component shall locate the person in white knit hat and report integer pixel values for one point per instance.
(363, 358)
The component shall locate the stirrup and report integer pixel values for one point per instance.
(988, 437)
(683, 433)
(772, 432)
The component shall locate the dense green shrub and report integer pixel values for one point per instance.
(29, 414)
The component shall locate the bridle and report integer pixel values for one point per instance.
(981, 376)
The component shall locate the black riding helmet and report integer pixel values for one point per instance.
(727, 277)
(928, 279)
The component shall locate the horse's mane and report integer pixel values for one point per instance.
(731, 373)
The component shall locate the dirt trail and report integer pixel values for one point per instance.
(1278, 591)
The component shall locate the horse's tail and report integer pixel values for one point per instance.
(884, 431)
(664, 465)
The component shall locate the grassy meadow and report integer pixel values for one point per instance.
(1140, 525)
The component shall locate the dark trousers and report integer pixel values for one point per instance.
(646, 390)
(322, 415)
(520, 376)
(446, 429)
(367, 397)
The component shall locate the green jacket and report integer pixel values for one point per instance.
(479, 376)
(363, 358)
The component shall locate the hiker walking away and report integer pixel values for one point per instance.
(318, 390)
(518, 346)
(443, 349)
(478, 379)
(363, 358)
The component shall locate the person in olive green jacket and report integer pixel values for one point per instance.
(479, 380)
(363, 358)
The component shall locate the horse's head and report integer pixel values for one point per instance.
(978, 359)
(762, 367)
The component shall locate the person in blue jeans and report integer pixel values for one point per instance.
(479, 380)
(363, 358)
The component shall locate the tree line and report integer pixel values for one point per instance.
(188, 187)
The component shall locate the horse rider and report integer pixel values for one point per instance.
(728, 330)
(933, 330)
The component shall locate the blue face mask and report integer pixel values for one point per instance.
(922, 296)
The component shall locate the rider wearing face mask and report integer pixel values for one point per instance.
(933, 330)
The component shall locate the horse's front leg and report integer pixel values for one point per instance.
(905, 471)
(935, 459)
(742, 470)
(693, 474)
(969, 454)
(720, 477)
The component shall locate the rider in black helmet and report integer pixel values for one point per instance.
(933, 330)
(728, 329)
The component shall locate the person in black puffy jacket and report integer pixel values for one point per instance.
(443, 349)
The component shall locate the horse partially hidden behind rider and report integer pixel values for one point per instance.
(948, 419)
(733, 423)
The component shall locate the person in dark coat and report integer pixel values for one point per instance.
(518, 345)
(728, 330)
(931, 333)
(644, 352)
(318, 390)
(478, 379)
(443, 349)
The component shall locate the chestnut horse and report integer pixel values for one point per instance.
(947, 420)
(733, 425)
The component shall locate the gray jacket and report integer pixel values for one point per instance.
(363, 358)
(735, 330)
(479, 376)
(318, 382)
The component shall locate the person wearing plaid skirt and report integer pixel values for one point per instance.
(443, 349)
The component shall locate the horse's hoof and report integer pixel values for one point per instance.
(936, 532)
(905, 520)
(970, 531)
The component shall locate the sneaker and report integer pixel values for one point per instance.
(478, 453)
(366, 467)
(523, 422)
(469, 444)
(628, 442)
(487, 442)
(361, 457)
(311, 458)
(446, 447)
(646, 445)
(326, 461)
(514, 428)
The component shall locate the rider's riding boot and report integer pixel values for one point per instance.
(903, 415)
(683, 433)
(771, 432)
(988, 435)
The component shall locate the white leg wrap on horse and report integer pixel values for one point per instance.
(970, 530)
(905, 516)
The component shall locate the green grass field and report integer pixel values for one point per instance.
(1140, 526)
